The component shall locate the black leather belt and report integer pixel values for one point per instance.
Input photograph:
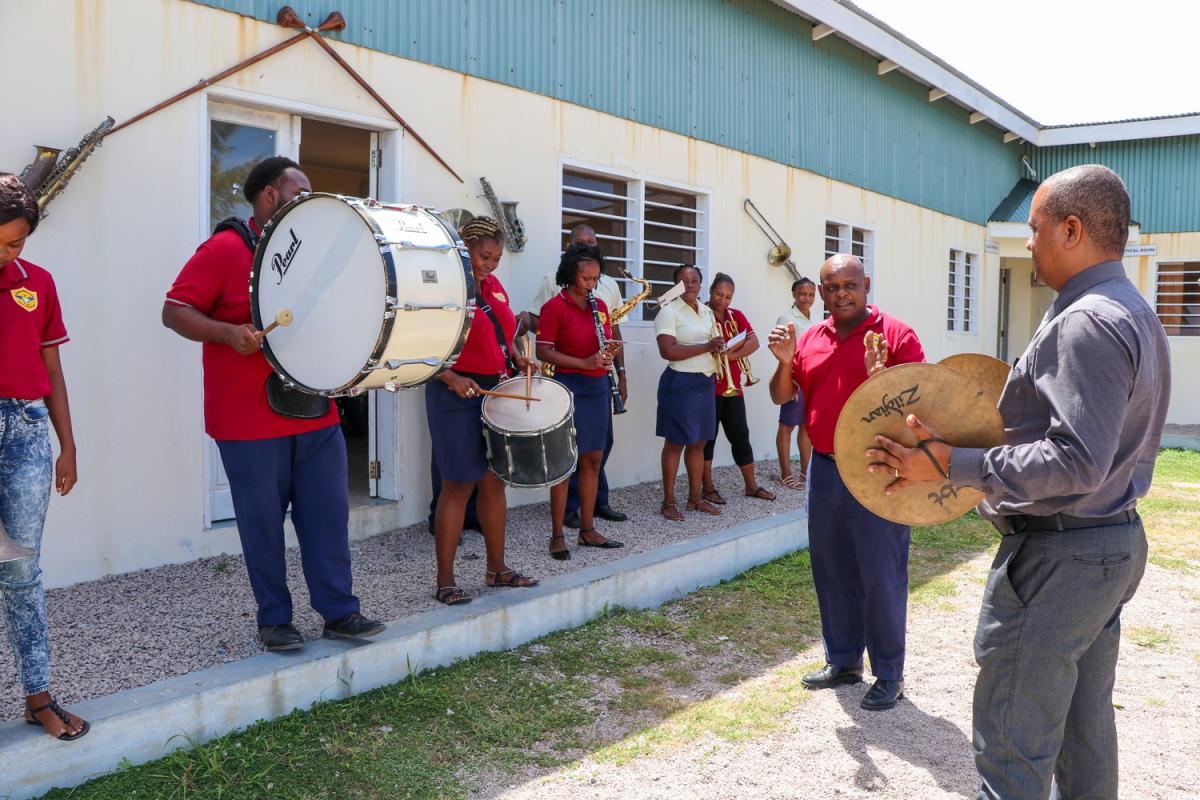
(826, 456)
(1027, 523)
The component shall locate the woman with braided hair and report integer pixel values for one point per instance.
(453, 406)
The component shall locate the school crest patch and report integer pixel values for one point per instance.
(25, 298)
(603, 318)
(500, 296)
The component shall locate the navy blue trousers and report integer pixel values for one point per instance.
(860, 571)
(309, 471)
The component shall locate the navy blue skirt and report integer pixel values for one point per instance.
(687, 407)
(456, 427)
(792, 412)
(593, 409)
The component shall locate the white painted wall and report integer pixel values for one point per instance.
(131, 217)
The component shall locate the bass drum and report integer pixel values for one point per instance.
(381, 296)
(530, 448)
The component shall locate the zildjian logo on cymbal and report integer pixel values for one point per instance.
(894, 405)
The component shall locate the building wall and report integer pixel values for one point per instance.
(744, 74)
(1185, 350)
(130, 218)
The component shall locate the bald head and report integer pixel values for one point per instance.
(843, 262)
(844, 287)
(1098, 197)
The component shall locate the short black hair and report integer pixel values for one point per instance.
(679, 271)
(1096, 195)
(17, 201)
(796, 284)
(266, 173)
(572, 257)
(721, 277)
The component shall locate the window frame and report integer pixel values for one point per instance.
(955, 315)
(1184, 261)
(635, 235)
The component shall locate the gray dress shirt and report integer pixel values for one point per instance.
(1083, 408)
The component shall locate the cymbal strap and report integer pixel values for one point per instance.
(924, 446)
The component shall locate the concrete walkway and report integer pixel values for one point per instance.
(143, 724)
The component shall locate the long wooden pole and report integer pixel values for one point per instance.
(288, 18)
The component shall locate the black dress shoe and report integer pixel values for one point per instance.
(353, 626)
(608, 513)
(280, 637)
(571, 519)
(831, 675)
(883, 695)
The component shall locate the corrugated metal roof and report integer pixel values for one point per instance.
(740, 73)
(1162, 176)
(1015, 207)
(1123, 121)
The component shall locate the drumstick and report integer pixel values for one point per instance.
(490, 393)
(528, 384)
(282, 317)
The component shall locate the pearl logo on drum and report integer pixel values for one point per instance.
(282, 262)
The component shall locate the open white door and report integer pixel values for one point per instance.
(238, 139)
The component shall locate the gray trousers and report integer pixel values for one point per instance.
(1046, 644)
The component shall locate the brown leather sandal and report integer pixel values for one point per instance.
(511, 579)
(671, 512)
(705, 506)
(61, 713)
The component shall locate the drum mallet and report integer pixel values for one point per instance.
(283, 317)
(490, 393)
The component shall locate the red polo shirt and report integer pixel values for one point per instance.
(216, 282)
(732, 316)
(481, 352)
(30, 319)
(571, 330)
(828, 370)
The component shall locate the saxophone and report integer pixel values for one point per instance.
(506, 216)
(48, 175)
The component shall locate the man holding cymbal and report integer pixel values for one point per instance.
(1083, 410)
(859, 560)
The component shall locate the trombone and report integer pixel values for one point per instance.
(779, 254)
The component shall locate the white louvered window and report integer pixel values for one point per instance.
(647, 228)
(860, 242)
(962, 292)
(1177, 298)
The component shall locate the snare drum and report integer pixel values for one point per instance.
(381, 296)
(530, 448)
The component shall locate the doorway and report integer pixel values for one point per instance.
(1002, 315)
(339, 159)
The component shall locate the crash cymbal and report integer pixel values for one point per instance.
(948, 401)
(991, 373)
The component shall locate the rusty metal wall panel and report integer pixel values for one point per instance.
(744, 74)
(1162, 176)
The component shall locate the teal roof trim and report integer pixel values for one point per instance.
(1162, 176)
(744, 74)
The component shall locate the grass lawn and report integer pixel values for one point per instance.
(622, 686)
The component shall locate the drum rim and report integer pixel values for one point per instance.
(569, 417)
(358, 205)
(569, 472)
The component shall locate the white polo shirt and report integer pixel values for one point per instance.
(607, 290)
(793, 314)
(688, 326)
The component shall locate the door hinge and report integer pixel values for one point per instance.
(376, 159)
(375, 470)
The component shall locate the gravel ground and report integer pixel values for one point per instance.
(830, 748)
(131, 630)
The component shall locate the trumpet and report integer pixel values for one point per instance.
(730, 330)
(723, 363)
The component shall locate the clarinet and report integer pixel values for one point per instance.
(618, 407)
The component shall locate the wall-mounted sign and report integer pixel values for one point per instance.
(1138, 250)
(991, 246)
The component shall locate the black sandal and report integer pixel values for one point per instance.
(559, 555)
(607, 544)
(61, 714)
(451, 595)
(515, 580)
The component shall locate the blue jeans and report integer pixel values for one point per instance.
(26, 473)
